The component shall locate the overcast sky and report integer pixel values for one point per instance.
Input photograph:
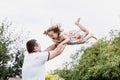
(35, 16)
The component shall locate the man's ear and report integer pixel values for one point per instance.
(35, 48)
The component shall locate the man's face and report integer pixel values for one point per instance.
(53, 35)
(37, 47)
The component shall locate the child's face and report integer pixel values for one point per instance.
(53, 35)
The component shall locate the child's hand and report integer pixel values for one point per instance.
(56, 44)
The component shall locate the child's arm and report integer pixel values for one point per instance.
(66, 40)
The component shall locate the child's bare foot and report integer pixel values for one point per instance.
(77, 22)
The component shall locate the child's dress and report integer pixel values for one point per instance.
(75, 36)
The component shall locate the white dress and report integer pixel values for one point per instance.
(75, 36)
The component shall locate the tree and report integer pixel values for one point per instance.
(11, 55)
(101, 61)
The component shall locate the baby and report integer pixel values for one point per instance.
(72, 37)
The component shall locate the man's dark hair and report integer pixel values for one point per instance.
(30, 45)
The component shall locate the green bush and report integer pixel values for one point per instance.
(101, 61)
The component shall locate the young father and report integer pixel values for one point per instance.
(34, 62)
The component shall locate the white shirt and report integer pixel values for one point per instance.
(34, 66)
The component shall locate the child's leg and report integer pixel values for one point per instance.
(90, 36)
(82, 27)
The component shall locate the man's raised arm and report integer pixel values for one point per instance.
(51, 47)
(58, 50)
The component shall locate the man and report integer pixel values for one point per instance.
(34, 62)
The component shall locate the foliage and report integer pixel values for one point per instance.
(51, 76)
(11, 56)
(101, 61)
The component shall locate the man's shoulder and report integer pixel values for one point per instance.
(43, 53)
(36, 53)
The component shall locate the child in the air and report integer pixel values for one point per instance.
(72, 37)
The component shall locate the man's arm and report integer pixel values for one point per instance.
(51, 47)
(58, 50)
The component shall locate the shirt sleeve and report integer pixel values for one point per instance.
(44, 56)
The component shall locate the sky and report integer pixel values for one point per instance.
(35, 16)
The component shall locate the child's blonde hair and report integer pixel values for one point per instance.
(55, 28)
